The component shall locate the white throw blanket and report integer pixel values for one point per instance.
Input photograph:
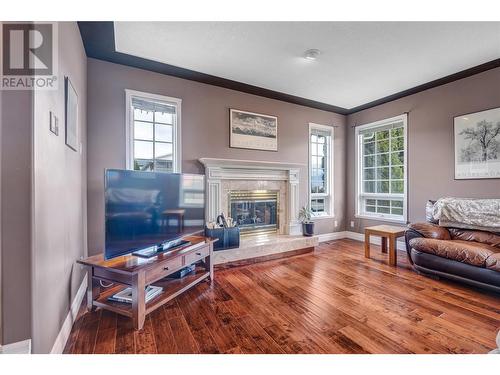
(497, 350)
(468, 213)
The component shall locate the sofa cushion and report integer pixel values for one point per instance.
(473, 253)
(429, 230)
(488, 238)
(493, 262)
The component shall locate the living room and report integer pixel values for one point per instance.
(250, 187)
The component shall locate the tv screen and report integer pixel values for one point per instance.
(148, 208)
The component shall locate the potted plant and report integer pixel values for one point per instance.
(305, 214)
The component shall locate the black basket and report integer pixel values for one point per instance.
(228, 238)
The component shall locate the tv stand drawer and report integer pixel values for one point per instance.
(163, 270)
(196, 255)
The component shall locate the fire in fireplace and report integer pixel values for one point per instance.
(255, 211)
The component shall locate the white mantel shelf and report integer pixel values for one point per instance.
(237, 163)
(217, 170)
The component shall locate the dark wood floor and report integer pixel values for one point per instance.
(330, 301)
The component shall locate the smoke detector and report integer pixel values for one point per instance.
(312, 54)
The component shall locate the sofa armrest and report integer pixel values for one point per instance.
(429, 230)
(409, 235)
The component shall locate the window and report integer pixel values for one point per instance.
(381, 169)
(153, 132)
(320, 169)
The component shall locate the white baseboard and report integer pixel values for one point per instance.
(332, 236)
(65, 331)
(356, 236)
(20, 347)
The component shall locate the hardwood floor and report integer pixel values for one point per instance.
(330, 301)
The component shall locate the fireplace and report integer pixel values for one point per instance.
(226, 176)
(255, 211)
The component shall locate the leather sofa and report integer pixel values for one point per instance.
(469, 256)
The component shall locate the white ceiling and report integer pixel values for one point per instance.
(359, 62)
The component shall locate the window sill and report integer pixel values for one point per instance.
(382, 218)
(320, 217)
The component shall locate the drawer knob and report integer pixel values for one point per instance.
(165, 268)
(198, 254)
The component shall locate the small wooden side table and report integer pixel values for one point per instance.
(390, 232)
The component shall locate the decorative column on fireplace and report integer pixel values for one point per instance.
(255, 211)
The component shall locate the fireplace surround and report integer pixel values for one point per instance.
(225, 175)
(254, 211)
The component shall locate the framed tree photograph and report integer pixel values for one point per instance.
(477, 145)
(71, 115)
(254, 131)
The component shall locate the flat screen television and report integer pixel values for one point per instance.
(143, 209)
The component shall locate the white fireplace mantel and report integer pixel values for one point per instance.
(217, 170)
(237, 163)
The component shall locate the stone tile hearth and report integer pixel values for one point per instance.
(263, 245)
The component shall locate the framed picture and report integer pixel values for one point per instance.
(71, 115)
(477, 145)
(253, 131)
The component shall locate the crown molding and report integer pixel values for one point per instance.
(429, 85)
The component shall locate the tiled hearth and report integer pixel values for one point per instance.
(264, 245)
(226, 175)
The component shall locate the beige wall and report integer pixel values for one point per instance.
(59, 197)
(430, 142)
(205, 132)
(1, 306)
(16, 170)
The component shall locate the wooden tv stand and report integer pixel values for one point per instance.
(135, 272)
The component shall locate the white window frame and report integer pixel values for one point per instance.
(329, 173)
(379, 216)
(176, 127)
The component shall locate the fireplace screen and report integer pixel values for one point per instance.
(255, 211)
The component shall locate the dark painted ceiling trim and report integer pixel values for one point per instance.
(429, 85)
(99, 42)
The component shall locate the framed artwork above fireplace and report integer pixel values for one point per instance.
(254, 131)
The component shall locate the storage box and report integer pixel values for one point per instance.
(228, 238)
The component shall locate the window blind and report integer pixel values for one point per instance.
(152, 106)
(393, 125)
(324, 133)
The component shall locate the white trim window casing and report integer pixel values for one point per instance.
(381, 170)
(153, 132)
(321, 170)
